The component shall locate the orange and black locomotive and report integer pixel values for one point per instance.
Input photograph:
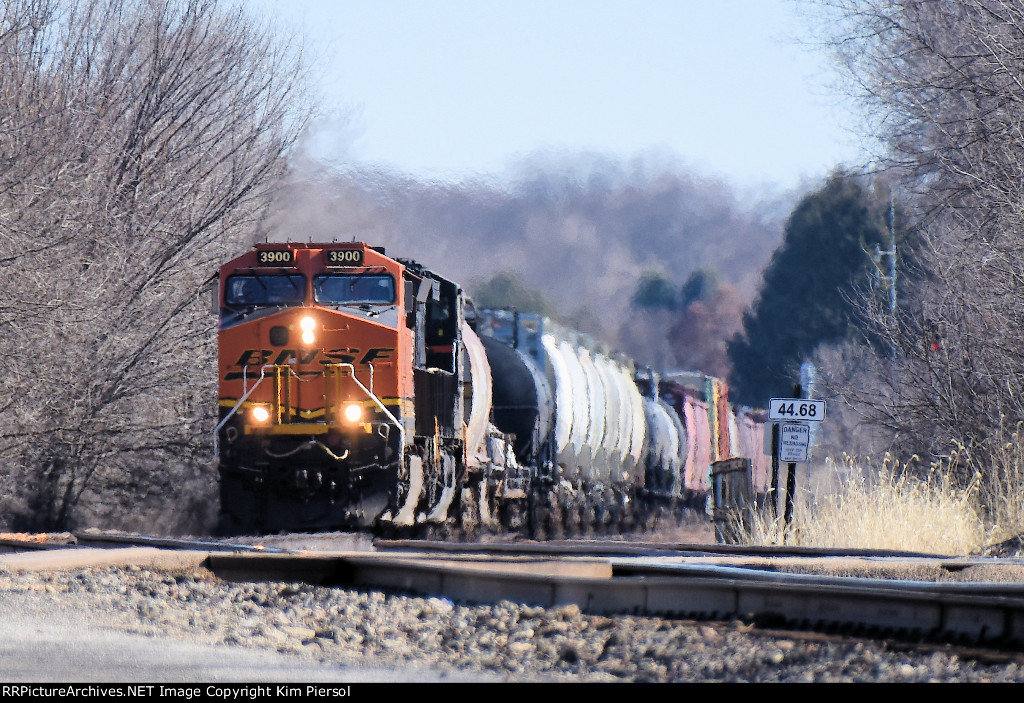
(341, 389)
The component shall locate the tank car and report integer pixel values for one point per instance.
(575, 415)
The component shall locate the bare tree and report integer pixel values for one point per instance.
(943, 82)
(142, 140)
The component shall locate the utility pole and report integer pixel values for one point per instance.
(892, 255)
(890, 279)
(892, 268)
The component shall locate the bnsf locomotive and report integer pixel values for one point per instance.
(358, 390)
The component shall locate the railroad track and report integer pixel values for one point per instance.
(707, 582)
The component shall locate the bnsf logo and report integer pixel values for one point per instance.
(349, 355)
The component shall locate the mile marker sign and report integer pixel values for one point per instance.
(780, 409)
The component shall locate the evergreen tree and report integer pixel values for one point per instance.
(506, 290)
(655, 292)
(702, 285)
(807, 289)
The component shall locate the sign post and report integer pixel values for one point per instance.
(792, 418)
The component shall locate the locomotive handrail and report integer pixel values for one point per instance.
(383, 408)
(263, 370)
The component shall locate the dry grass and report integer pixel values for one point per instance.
(881, 505)
(1003, 496)
(884, 507)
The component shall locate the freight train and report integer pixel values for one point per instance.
(362, 391)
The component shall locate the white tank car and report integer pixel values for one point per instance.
(665, 449)
(599, 418)
(597, 423)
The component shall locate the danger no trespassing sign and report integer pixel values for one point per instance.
(794, 441)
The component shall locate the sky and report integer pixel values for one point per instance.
(456, 89)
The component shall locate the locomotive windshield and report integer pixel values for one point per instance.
(343, 288)
(253, 290)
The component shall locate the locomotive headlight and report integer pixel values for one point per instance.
(261, 413)
(353, 412)
(307, 324)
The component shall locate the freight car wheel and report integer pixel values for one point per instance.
(617, 501)
(545, 517)
(650, 517)
(585, 507)
(534, 522)
(488, 505)
(602, 511)
(408, 491)
(469, 510)
(569, 505)
(588, 521)
(581, 511)
(630, 511)
(513, 515)
(441, 487)
(555, 516)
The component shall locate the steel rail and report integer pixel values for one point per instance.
(980, 613)
(117, 540)
(631, 548)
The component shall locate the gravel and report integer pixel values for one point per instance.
(506, 641)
